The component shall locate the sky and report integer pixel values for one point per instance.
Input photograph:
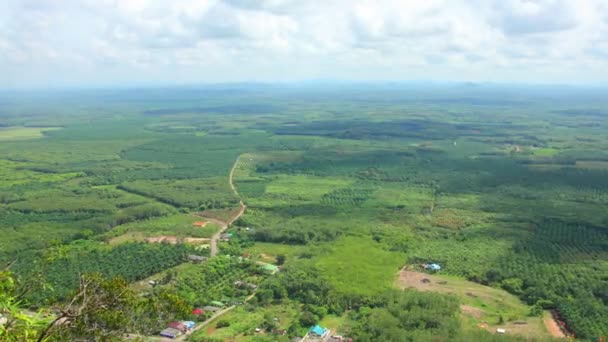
(54, 43)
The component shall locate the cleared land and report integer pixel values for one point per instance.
(483, 306)
(24, 133)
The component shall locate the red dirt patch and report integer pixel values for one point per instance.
(553, 327)
(199, 224)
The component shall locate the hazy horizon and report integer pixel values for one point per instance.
(108, 43)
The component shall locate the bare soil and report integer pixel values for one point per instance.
(474, 312)
(552, 326)
(163, 239)
(175, 240)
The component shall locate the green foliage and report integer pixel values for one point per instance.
(503, 186)
(214, 280)
(222, 324)
(62, 266)
(17, 325)
(407, 316)
(141, 212)
(98, 309)
(208, 193)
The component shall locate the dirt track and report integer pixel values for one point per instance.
(552, 326)
(224, 224)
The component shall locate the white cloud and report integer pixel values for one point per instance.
(138, 41)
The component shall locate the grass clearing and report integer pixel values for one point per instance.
(24, 133)
(242, 323)
(545, 152)
(357, 265)
(269, 251)
(303, 189)
(180, 225)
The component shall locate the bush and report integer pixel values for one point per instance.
(222, 324)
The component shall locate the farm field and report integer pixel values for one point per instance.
(505, 189)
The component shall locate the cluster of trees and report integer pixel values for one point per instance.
(99, 309)
(194, 194)
(557, 268)
(215, 279)
(141, 212)
(295, 235)
(392, 315)
(347, 197)
(407, 316)
(61, 266)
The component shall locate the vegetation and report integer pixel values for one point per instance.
(505, 187)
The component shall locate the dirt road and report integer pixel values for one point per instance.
(552, 326)
(224, 224)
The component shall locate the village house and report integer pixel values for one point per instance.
(196, 258)
(240, 283)
(432, 267)
(211, 308)
(170, 333)
(217, 303)
(178, 325)
(198, 311)
(318, 332)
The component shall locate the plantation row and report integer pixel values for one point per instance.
(62, 267)
(210, 193)
(561, 267)
(214, 280)
(347, 196)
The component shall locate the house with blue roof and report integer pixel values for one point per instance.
(432, 267)
(318, 331)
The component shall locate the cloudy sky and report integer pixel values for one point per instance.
(128, 42)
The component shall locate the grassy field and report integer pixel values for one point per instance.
(24, 133)
(269, 251)
(180, 225)
(359, 266)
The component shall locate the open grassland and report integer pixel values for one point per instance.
(24, 133)
(179, 225)
(268, 252)
(358, 266)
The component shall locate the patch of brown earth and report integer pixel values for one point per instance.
(163, 239)
(472, 311)
(416, 280)
(552, 326)
(196, 240)
(175, 240)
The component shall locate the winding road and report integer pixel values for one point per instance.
(224, 224)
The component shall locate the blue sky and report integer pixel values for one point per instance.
(134, 42)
